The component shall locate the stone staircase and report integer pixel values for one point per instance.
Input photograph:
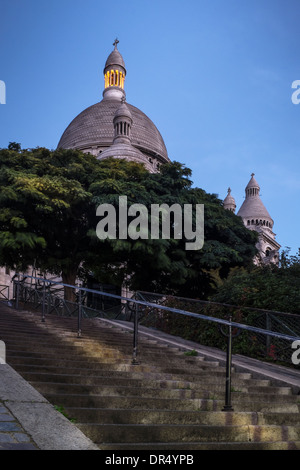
(169, 401)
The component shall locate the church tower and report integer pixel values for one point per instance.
(256, 217)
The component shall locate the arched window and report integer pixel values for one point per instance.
(268, 251)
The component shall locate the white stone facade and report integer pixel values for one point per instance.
(256, 217)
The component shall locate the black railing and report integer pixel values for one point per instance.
(41, 295)
(4, 292)
(251, 343)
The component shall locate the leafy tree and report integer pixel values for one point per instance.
(45, 210)
(48, 203)
(14, 146)
(268, 287)
(165, 265)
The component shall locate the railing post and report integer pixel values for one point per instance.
(17, 292)
(227, 406)
(268, 338)
(79, 315)
(43, 302)
(135, 336)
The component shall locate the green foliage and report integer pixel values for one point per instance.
(193, 352)
(266, 287)
(170, 267)
(206, 331)
(48, 203)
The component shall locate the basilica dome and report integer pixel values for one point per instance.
(93, 129)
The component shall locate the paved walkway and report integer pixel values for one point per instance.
(12, 435)
(28, 421)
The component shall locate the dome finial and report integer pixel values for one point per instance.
(116, 43)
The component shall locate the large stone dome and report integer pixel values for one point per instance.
(93, 129)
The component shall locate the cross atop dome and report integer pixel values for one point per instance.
(116, 43)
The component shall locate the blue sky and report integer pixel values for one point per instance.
(214, 76)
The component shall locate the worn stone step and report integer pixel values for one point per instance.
(65, 361)
(92, 362)
(120, 390)
(20, 364)
(101, 433)
(140, 380)
(191, 446)
(126, 416)
(154, 388)
(131, 402)
(135, 372)
(94, 380)
(150, 403)
(54, 353)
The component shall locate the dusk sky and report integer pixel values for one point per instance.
(215, 77)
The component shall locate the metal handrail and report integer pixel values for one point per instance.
(208, 302)
(143, 303)
(175, 310)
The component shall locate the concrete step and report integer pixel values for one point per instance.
(131, 433)
(179, 390)
(157, 416)
(141, 380)
(150, 403)
(190, 446)
(135, 371)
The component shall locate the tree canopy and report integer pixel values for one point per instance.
(48, 202)
(266, 287)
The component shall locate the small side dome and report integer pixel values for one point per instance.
(123, 111)
(229, 202)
